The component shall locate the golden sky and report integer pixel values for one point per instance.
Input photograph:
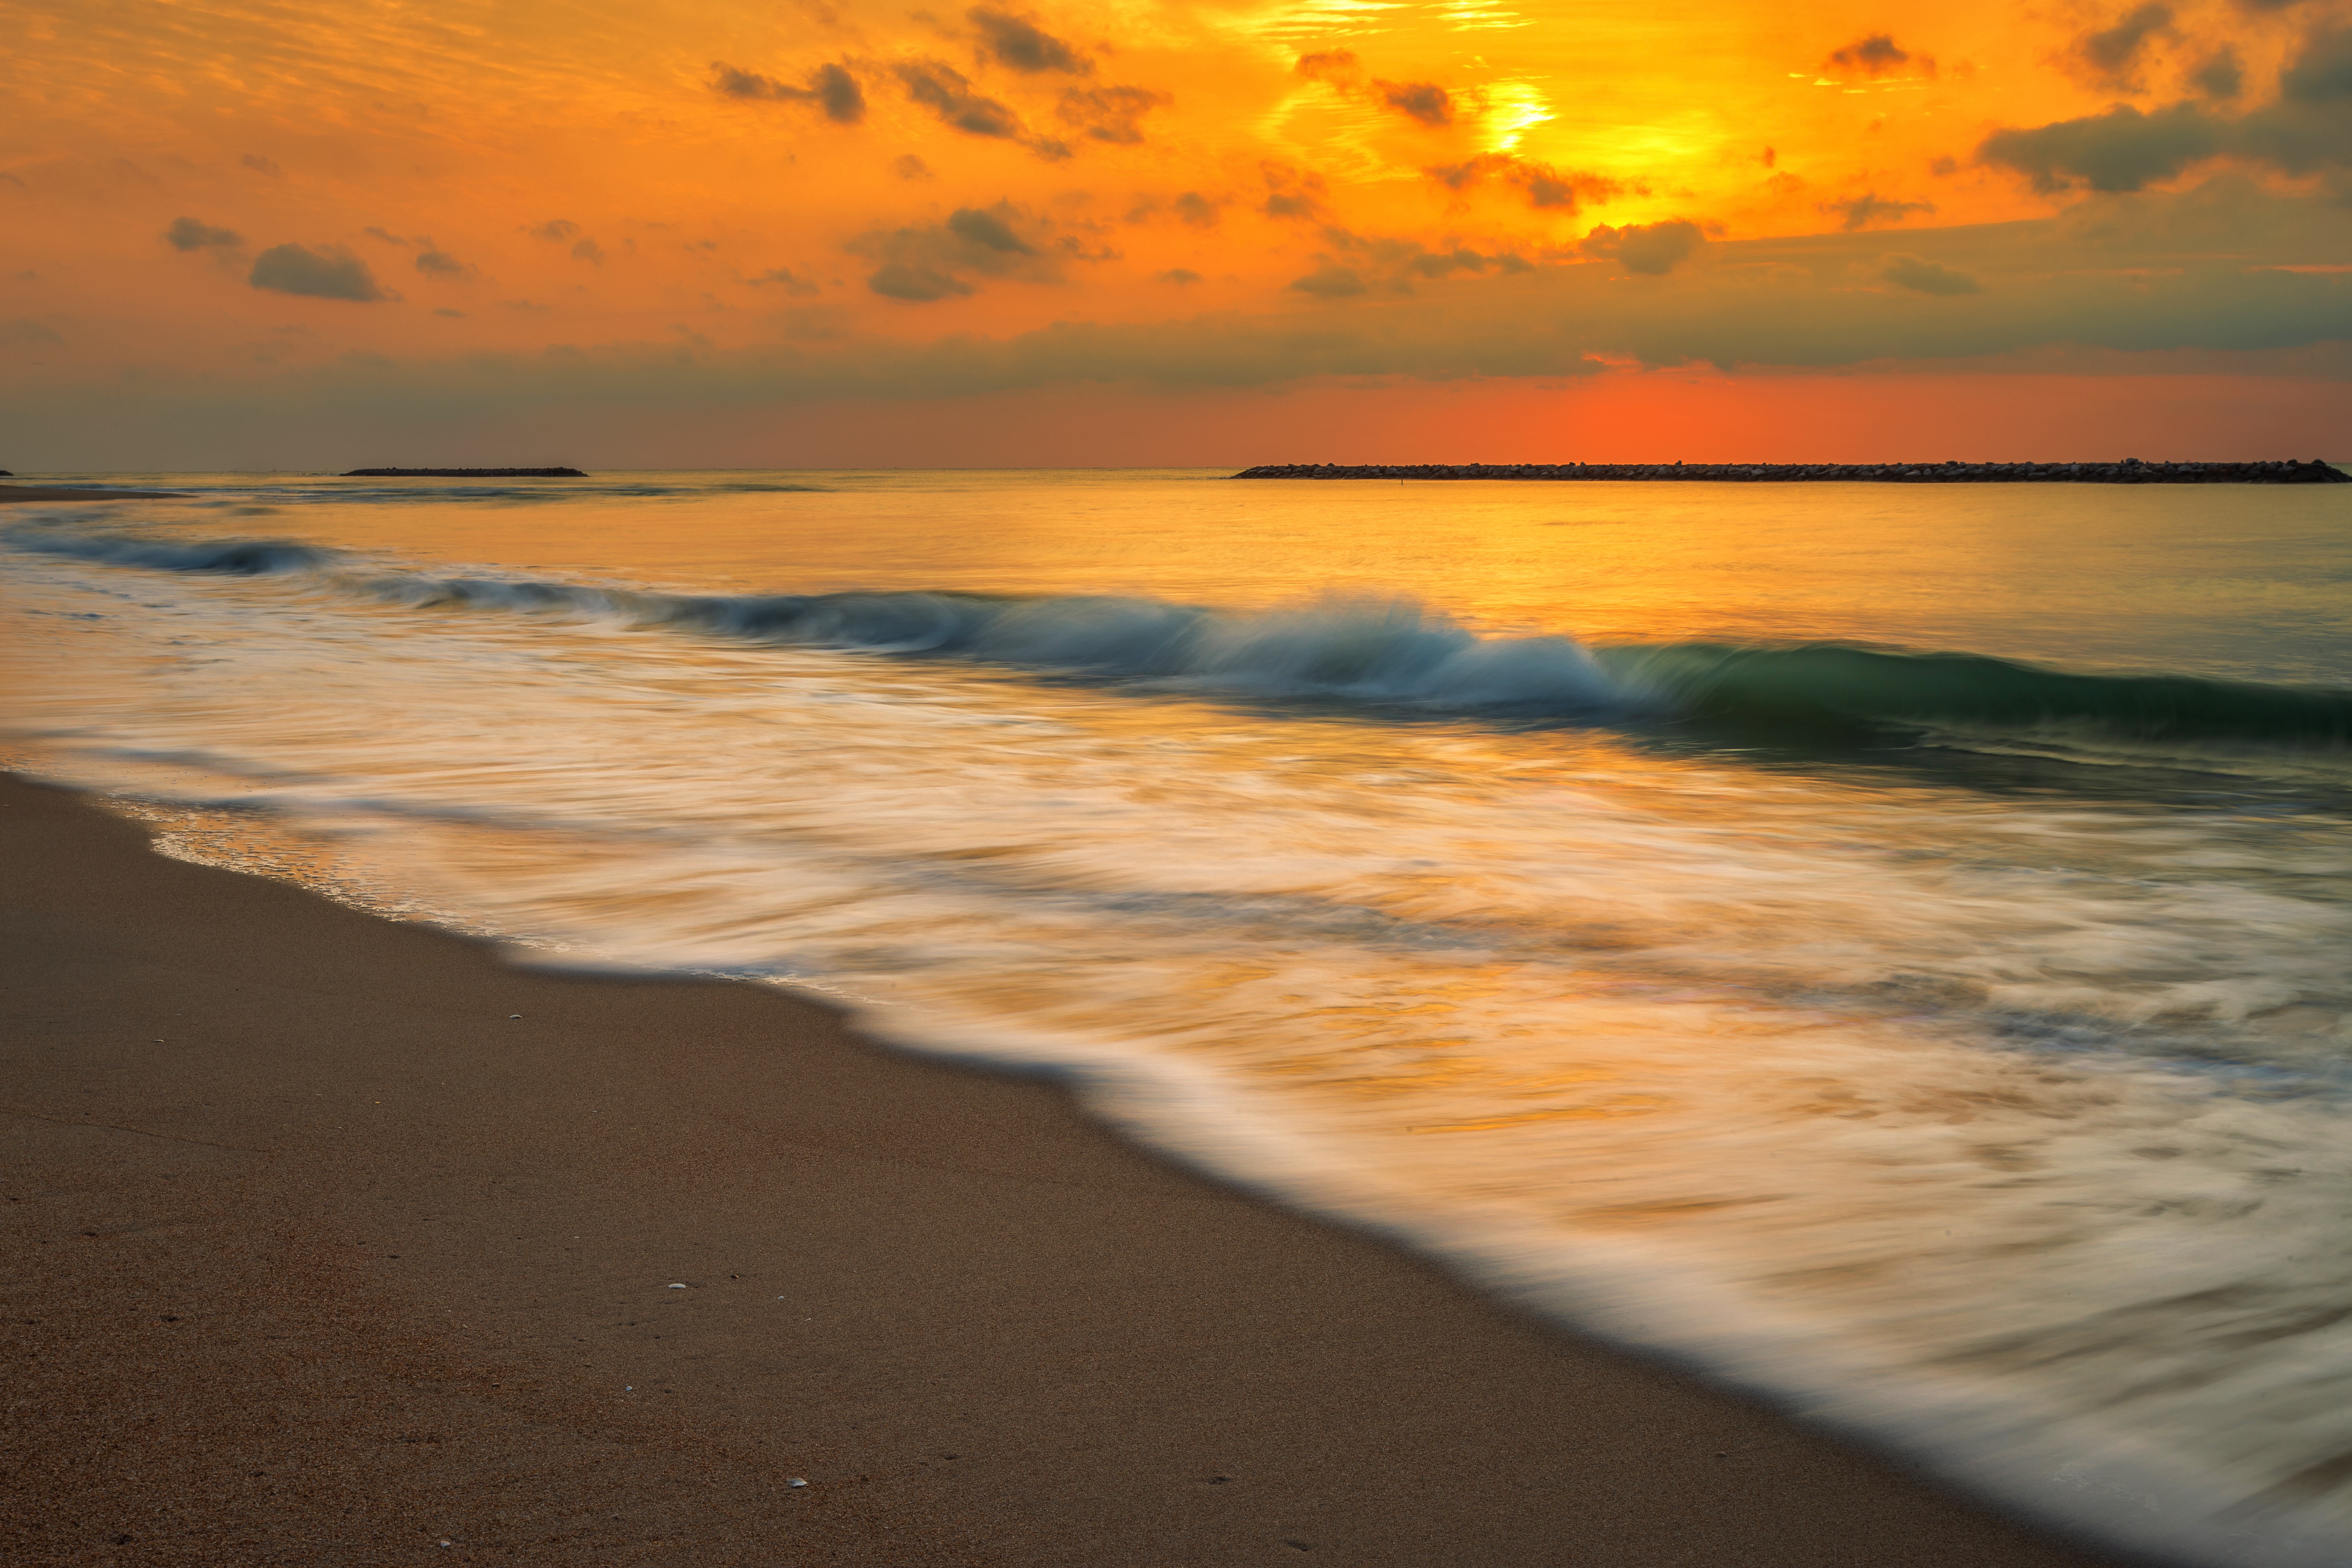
(711, 231)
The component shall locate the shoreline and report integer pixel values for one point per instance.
(17, 493)
(331, 1257)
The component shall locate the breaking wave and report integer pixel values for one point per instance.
(1392, 650)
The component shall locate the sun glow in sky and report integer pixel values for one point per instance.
(713, 232)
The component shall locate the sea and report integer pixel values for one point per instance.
(1885, 947)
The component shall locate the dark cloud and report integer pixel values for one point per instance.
(1653, 250)
(1196, 209)
(1925, 277)
(193, 234)
(1878, 55)
(556, 229)
(1545, 187)
(1395, 264)
(441, 264)
(1176, 275)
(1017, 43)
(1422, 101)
(2322, 73)
(784, 278)
(830, 87)
(2121, 150)
(1330, 281)
(372, 232)
(1859, 212)
(2221, 76)
(261, 165)
(1110, 113)
(948, 93)
(934, 261)
(1327, 64)
(907, 166)
(2113, 57)
(330, 272)
(588, 250)
(453, 315)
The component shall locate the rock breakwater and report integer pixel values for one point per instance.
(2129, 471)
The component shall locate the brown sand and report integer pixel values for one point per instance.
(55, 493)
(316, 1256)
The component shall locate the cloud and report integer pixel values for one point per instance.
(1546, 188)
(1016, 42)
(921, 263)
(830, 87)
(1878, 55)
(1859, 212)
(907, 166)
(2113, 56)
(1327, 64)
(556, 229)
(784, 278)
(453, 315)
(2322, 73)
(2221, 76)
(1290, 193)
(26, 334)
(1176, 275)
(330, 272)
(441, 264)
(261, 165)
(1927, 277)
(1110, 113)
(1422, 101)
(948, 93)
(372, 232)
(1330, 281)
(193, 234)
(1653, 250)
(589, 251)
(2121, 150)
(1196, 209)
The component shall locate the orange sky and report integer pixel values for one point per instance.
(709, 232)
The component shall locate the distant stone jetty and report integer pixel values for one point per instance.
(464, 474)
(2130, 471)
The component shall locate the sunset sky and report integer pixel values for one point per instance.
(712, 232)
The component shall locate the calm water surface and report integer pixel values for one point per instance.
(1891, 946)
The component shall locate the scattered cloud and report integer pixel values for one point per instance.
(2115, 56)
(453, 315)
(1291, 192)
(26, 334)
(441, 265)
(558, 230)
(784, 278)
(2220, 76)
(261, 165)
(193, 234)
(1017, 43)
(1878, 55)
(1196, 209)
(589, 251)
(1110, 113)
(1424, 101)
(1545, 187)
(907, 166)
(1859, 212)
(1176, 275)
(831, 88)
(921, 263)
(1926, 276)
(1652, 249)
(330, 272)
(1327, 64)
(372, 232)
(949, 94)
(1330, 281)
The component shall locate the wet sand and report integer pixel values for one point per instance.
(317, 1255)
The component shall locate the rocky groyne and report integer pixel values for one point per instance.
(463, 474)
(2130, 471)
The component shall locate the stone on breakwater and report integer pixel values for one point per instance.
(2130, 471)
(463, 474)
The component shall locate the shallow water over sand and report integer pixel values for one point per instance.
(1953, 1049)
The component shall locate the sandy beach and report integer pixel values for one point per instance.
(336, 1240)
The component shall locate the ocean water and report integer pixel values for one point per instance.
(1888, 947)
